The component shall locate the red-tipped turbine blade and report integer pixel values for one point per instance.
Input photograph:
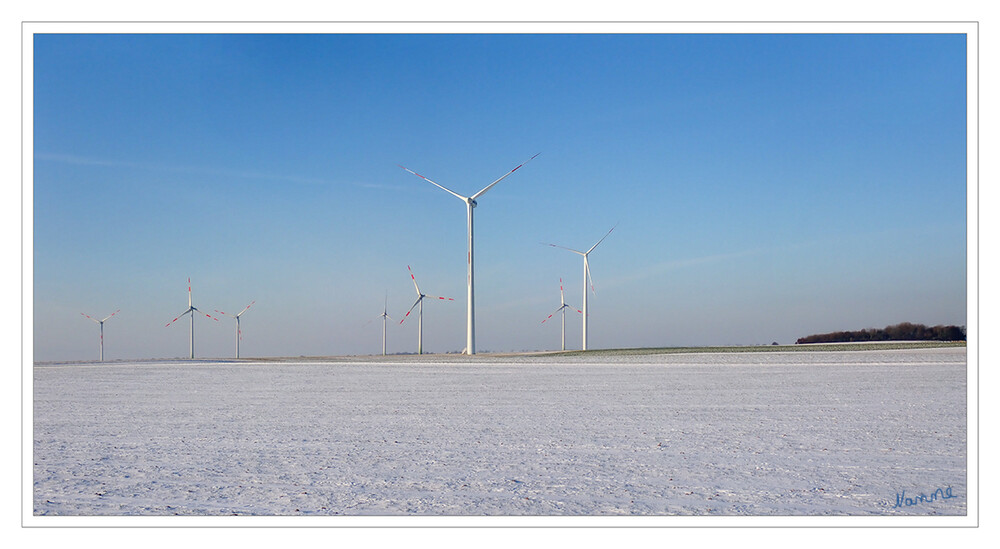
(488, 187)
(442, 187)
(247, 307)
(178, 316)
(415, 303)
(414, 279)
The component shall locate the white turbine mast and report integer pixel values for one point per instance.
(586, 279)
(101, 322)
(385, 316)
(420, 312)
(191, 310)
(562, 309)
(470, 202)
(239, 333)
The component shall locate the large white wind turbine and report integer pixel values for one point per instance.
(420, 312)
(562, 308)
(239, 333)
(101, 322)
(191, 310)
(470, 202)
(586, 279)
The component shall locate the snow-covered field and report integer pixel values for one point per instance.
(785, 433)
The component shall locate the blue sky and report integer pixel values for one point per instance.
(766, 187)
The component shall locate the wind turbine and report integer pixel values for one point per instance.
(101, 322)
(470, 202)
(420, 313)
(191, 309)
(383, 316)
(562, 308)
(239, 333)
(586, 278)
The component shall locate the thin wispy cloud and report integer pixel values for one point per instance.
(201, 170)
(678, 264)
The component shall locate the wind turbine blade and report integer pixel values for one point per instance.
(189, 291)
(247, 307)
(439, 297)
(91, 318)
(562, 247)
(415, 303)
(110, 315)
(178, 316)
(442, 187)
(601, 240)
(208, 315)
(553, 314)
(482, 192)
(222, 313)
(591, 279)
(414, 279)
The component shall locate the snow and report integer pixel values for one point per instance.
(772, 434)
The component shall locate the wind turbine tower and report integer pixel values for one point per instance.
(586, 279)
(562, 308)
(383, 316)
(470, 202)
(420, 313)
(101, 322)
(239, 333)
(191, 310)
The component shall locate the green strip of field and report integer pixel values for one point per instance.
(876, 346)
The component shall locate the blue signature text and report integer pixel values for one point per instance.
(941, 493)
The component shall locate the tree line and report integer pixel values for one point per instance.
(905, 331)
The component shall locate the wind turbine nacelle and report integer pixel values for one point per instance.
(471, 202)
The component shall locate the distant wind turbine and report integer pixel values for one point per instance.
(470, 202)
(562, 308)
(191, 309)
(101, 322)
(420, 312)
(239, 333)
(383, 316)
(586, 279)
